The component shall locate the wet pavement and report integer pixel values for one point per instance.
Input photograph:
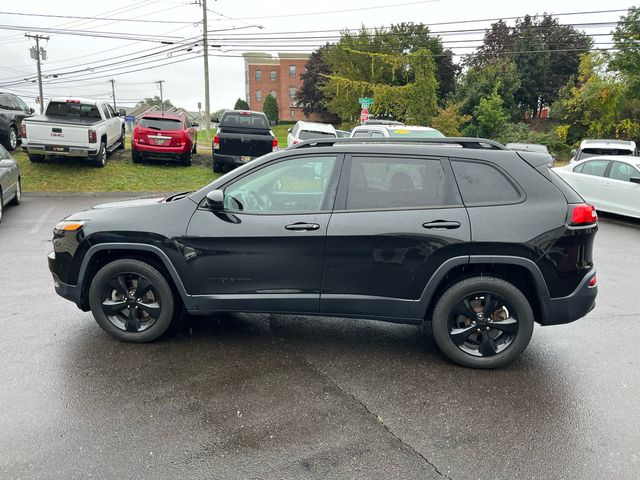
(273, 396)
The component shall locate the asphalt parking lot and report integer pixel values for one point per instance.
(271, 396)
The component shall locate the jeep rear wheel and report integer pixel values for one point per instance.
(482, 322)
(132, 301)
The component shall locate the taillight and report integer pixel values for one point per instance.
(93, 136)
(216, 142)
(23, 131)
(593, 282)
(183, 139)
(274, 145)
(583, 215)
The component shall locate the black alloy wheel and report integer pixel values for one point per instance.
(132, 301)
(482, 322)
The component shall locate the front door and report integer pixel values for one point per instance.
(264, 252)
(619, 194)
(395, 221)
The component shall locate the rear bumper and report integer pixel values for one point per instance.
(233, 160)
(574, 306)
(157, 151)
(60, 150)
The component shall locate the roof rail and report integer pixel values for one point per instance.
(464, 142)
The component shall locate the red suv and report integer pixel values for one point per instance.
(164, 136)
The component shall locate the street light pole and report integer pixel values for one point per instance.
(38, 56)
(207, 107)
(113, 93)
(160, 82)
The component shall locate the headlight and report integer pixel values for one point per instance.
(69, 225)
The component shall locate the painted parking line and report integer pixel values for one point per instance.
(43, 218)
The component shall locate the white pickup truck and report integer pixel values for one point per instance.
(74, 127)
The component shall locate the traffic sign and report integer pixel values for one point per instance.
(365, 100)
(129, 118)
(364, 115)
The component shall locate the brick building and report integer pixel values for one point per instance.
(278, 76)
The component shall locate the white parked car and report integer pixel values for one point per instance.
(302, 131)
(611, 183)
(376, 130)
(594, 148)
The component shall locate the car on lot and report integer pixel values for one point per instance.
(164, 137)
(531, 147)
(611, 183)
(242, 136)
(379, 130)
(12, 112)
(477, 241)
(594, 148)
(10, 188)
(74, 127)
(302, 131)
(343, 133)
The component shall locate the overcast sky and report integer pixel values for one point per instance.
(184, 80)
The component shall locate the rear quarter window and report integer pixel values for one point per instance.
(481, 183)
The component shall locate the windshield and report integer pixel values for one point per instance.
(593, 152)
(309, 134)
(73, 109)
(161, 123)
(408, 133)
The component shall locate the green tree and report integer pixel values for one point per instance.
(241, 105)
(270, 108)
(154, 101)
(532, 61)
(449, 119)
(627, 58)
(310, 95)
(490, 116)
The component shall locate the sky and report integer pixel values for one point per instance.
(75, 58)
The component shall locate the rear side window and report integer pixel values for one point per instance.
(481, 183)
(245, 121)
(381, 183)
(161, 123)
(73, 109)
(595, 168)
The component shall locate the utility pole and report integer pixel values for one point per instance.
(207, 108)
(38, 55)
(113, 93)
(160, 82)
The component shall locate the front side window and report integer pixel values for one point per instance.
(595, 167)
(105, 111)
(381, 183)
(299, 185)
(112, 112)
(481, 183)
(23, 106)
(258, 75)
(292, 71)
(622, 171)
(4, 103)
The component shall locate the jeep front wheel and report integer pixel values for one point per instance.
(132, 301)
(482, 322)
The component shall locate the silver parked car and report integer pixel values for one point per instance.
(10, 190)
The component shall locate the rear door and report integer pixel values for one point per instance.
(619, 195)
(396, 220)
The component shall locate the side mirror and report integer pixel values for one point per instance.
(634, 179)
(195, 125)
(215, 200)
(273, 123)
(122, 112)
(573, 152)
(31, 110)
(215, 120)
(288, 130)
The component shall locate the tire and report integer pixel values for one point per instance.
(12, 139)
(195, 148)
(122, 137)
(18, 196)
(136, 157)
(218, 168)
(130, 315)
(36, 158)
(185, 159)
(482, 322)
(100, 159)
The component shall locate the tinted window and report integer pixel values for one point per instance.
(408, 133)
(21, 104)
(73, 109)
(298, 185)
(4, 103)
(112, 112)
(482, 183)
(593, 152)
(622, 171)
(160, 123)
(244, 121)
(308, 135)
(13, 102)
(376, 183)
(578, 169)
(361, 133)
(595, 167)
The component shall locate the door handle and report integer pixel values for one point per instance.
(441, 225)
(301, 226)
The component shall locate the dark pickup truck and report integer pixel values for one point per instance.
(242, 135)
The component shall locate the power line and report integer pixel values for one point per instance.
(97, 18)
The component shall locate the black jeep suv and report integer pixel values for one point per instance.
(478, 240)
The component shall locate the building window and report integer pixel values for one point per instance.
(292, 71)
(259, 95)
(258, 75)
(272, 75)
(292, 113)
(293, 92)
(273, 93)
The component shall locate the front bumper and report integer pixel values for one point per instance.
(70, 292)
(574, 306)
